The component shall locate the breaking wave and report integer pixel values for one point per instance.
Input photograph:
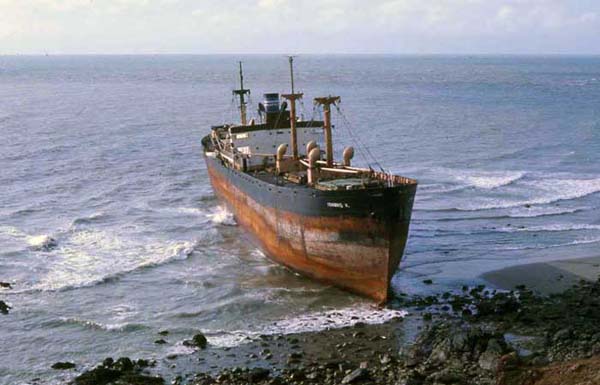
(89, 324)
(191, 211)
(540, 211)
(456, 180)
(550, 228)
(42, 242)
(11, 232)
(310, 322)
(89, 219)
(584, 241)
(531, 212)
(492, 179)
(92, 257)
(546, 191)
(222, 216)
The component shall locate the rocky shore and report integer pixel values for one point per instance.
(4, 307)
(476, 336)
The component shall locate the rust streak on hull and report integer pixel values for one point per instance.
(359, 254)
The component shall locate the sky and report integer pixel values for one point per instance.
(300, 26)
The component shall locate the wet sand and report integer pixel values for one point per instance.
(546, 277)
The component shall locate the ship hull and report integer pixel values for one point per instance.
(351, 239)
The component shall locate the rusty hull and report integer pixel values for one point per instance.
(359, 253)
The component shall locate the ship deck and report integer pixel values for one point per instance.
(336, 183)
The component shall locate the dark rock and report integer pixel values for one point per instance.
(4, 308)
(428, 281)
(5, 285)
(359, 374)
(198, 341)
(63, 365)
(140, 379)
(142, 363)
(124, 364)
(161, 342)
(163, 332)
(98, 376)
(411, 380)
(258, 374)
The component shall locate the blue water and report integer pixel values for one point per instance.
(102, 154)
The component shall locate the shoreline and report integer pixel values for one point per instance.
(477, 336)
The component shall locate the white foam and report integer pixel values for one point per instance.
(180, 349)
(12, 232)
(551, 228)
(118, 327)
(88, 257)
(436, 188)
(222, 216)
(311, 322)
(191, 211)
(9, 234)
(582, 241)
(90, 218)
(545, 191)
(41, 242)
(490, 179)
(541, 211)
(564, 189)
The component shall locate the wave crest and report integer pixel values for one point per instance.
(310, 322)
(491, 180)
(89, 324)
(88, 258)
(222, 216)
(42, 242)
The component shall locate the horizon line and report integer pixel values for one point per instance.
(297, 53)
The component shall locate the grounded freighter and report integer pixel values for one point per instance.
(327, 220)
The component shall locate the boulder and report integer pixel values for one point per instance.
(4, 307)
(258, 374)
(98, 376)
(63, 365)
(198, 341)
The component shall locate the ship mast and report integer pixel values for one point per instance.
(326, 102)
(241, 92)
(292, 98)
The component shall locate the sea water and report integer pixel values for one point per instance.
(110, 231)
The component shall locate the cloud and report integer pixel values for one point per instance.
(204, 26)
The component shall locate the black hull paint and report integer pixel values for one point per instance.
(385, 203)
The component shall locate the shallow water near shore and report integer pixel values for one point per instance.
(110, 232)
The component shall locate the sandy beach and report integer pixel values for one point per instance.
(546, 277)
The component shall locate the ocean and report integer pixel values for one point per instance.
(110, 231)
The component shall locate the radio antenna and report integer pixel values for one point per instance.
(292, 98)
(241, 92)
